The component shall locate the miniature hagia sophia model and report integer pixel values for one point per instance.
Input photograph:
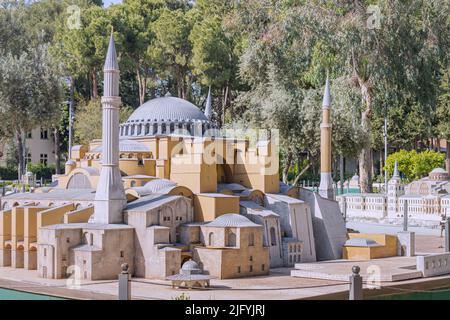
(164, 188)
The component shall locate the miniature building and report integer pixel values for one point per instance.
(232, 247)
(190, 276)
(163, 188)
(370, 246)
(427, 200)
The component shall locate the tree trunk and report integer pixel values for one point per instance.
(57, 152)
(341, 172)
(94, 84)
(365, 157)
(20, 153)
(447, 155)
(225, 101)
(287, 166)
(142, 85)
(381, 163)
(301, 173)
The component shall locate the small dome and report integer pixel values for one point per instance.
(438, 170)
(438, 174)
(234, 187)
(167, 108)
(70, 162)
(190, 267)
(355, 177)
(231, 220)
(154, 186)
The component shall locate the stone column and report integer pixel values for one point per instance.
(110, 195)
(356, 285)
(326, 181)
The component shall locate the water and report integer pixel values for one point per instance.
(441, 294)
(7, 294)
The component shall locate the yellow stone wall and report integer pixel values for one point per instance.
(234, 262)
(207, 207)
(79, 216)
(387, 248)
(197, 164)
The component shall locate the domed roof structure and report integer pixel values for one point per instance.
(190, 267)
(438, 170)
(438, 174)
(164, 116)
(156, 185)
(167, 109)
(231, 220)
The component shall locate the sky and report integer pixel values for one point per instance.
(107, 3)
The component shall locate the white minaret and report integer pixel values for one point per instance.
(326, 181)
(208, 106)
(110, 196)
(395, 190)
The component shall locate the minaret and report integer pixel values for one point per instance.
(395, 190)
(326, 182)
(208, 106)
(110, 196)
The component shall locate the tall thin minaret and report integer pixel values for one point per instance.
(208, 106)
(326, 181)
(110, 196)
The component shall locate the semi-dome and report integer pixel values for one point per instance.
(154, 186)
(165, 115)
(231, 220)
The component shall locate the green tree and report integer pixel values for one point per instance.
(88, 120)
(30, 94)
(413, 164)
(216, 47)
(443, 113)
(394, 62)
(172, 50)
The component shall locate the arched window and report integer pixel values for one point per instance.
(211, 239)
(231, 239)
(251, 239)
(273, 238)
(133, 183)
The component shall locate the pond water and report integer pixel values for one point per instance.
(7, 294)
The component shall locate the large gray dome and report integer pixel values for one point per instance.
(167, 109)
(165, 115)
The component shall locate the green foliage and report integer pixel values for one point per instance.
(182, 296)
(443, 106)
(88, 120)
(8, 173)
(414, 165)
(41, 170)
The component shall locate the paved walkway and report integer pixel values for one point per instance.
(278, 285)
